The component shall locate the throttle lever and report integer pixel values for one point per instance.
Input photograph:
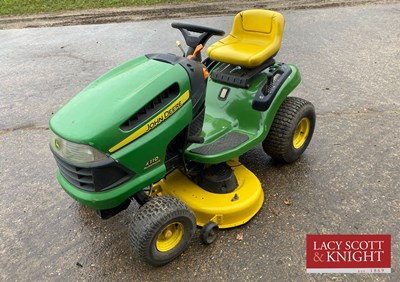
(179, 44)
(196, 52)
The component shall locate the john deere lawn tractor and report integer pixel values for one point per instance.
(167, 131)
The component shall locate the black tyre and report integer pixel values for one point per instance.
(162, 229)
(291, 130)
(209, 233)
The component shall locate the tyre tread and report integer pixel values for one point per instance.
(280, 135)
(151, 215)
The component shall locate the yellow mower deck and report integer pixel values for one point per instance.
(226, 210)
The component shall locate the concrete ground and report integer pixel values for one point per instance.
(346, 182)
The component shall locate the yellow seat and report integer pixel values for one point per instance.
(256, 36)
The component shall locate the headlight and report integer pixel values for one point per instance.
(75, 153)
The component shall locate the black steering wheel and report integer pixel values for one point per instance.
(191, 40)
(198, 28)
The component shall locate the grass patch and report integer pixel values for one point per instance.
(21, 7)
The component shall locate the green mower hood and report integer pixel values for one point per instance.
(95, 115)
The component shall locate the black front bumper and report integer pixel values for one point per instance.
(98, 177)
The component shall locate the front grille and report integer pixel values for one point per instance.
(107, 175)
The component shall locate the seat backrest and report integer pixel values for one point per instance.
(259, 25)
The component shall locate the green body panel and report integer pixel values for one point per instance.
(95, 115)
(236, 114)
(153, 146)
(135, 156)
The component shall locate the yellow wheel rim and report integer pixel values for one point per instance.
(169, 237)
(301, 133)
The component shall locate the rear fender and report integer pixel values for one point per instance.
(279, 91)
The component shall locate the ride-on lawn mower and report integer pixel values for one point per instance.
(167, 131)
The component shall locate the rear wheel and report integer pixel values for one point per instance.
(162, 230)
(291, 130)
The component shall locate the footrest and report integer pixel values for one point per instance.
(227, 142)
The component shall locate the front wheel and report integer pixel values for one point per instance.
(162, 230)
(291, 131)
